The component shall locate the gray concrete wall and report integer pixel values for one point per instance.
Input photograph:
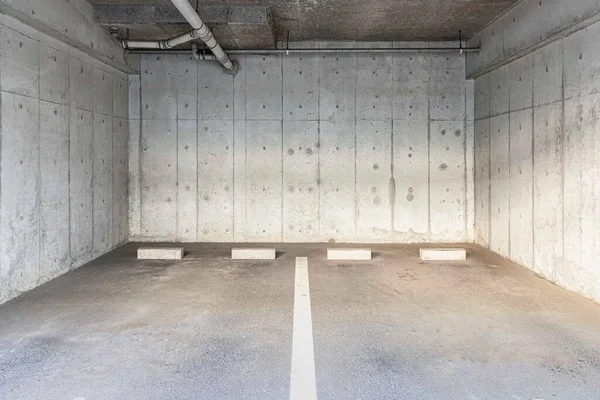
(71, 22)
(346, 148)
(526, 27)
(537, 159)
(63, 158)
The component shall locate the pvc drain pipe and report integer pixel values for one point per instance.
(200, 31)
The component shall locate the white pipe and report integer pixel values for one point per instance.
(202, 32)
(176, 41)
(201, 56)
(141, 44)
(159, 44)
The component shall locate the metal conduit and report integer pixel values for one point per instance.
(389, 50)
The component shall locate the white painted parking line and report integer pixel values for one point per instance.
(303, 385)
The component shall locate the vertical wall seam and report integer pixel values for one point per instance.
(198, 152)
(318, 72)
(232, 159)
(509, 250)
(93, 166)
(140, 149)
(245, 154)
(429, 168)
(356, 211)
(476, 185)
(533, 164)
(139, 159)
(69, 111)
(178, 237)
(282, 156)
(39, 183)
(465, 183)
(392, 184)
(430, 69)
(489, 197)
(562, 150)
(112, 177)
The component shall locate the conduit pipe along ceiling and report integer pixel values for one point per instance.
(200, 31)
(262, 52)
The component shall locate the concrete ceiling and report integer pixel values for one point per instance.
(361, 20)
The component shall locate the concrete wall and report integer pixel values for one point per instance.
(347, 148)
(526, 27)
(71, 22)
(537, 160)
(63, 158)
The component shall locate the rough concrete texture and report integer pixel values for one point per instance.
(537, 156)
(108, 15)
(63, 179)
(234, 26)
(71, 22)
(527, 26)
(346, 148)
(208, 327)
(374, 20)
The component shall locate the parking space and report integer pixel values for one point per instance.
(209, 327)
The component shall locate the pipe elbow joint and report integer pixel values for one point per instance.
(116, 37)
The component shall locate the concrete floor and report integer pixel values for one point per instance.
(211, 328)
